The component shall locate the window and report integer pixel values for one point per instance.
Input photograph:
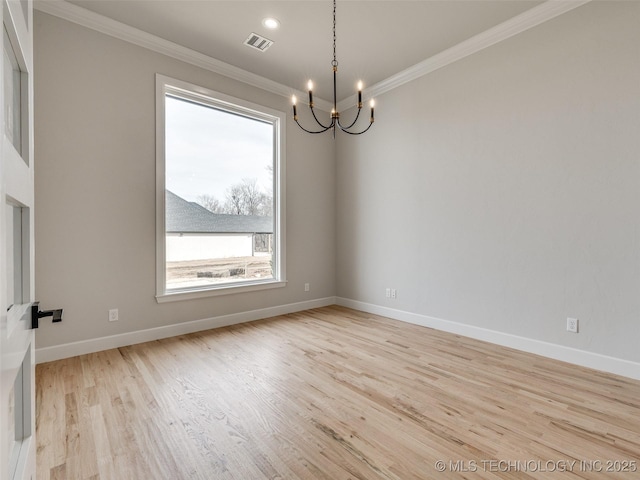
(220, 195)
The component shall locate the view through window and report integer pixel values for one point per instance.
(220, 203)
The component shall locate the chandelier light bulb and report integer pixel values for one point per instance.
(310, 86)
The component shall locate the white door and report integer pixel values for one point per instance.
(17, 360)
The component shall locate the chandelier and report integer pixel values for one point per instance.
(335, 115)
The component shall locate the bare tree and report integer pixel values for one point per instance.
(247, 198)
(234, 203)
(252, 195)
(244, 198)
(211, 203)
(266, 205)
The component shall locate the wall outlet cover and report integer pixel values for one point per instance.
(572, 325)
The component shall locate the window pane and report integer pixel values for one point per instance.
(219, 196)
(19, 409)
(12, 95)
(16, 419)
(14, 255)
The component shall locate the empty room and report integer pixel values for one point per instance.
(317, 239)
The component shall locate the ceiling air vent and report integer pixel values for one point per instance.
(259, 43)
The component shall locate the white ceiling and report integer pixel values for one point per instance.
(375, 39)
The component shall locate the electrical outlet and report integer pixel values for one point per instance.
(388, 293)
(113, 315)
(394, 293)
(572, 325)
(306, 287)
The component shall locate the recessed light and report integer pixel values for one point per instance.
(271, 23)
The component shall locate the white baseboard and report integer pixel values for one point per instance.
(558, 352)
(58, 352)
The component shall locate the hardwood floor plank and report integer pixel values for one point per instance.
(331, 394)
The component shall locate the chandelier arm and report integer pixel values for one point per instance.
(324, 129)
(356, 133)
(352, 123)
(319, 122)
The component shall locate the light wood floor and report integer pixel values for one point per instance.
(331, 394)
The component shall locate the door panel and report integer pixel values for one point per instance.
(17, 358)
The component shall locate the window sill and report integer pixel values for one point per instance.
(204, 292)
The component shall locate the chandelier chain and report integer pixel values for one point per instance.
(335, 61)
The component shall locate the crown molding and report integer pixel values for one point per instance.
(86, 18)
(518, 24)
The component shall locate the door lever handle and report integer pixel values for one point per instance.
(37, 314)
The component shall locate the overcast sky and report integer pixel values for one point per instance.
(208, 150)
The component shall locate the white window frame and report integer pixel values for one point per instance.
(166, 85)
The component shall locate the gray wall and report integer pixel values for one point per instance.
(95, 189)
(500, 192)
(503, 191)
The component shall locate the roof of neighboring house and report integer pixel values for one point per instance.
(189, 217)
